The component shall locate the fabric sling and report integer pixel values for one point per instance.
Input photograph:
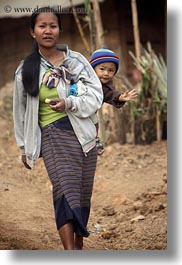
(51, 79)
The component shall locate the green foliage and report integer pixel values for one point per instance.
(154, 77)
(152, 95)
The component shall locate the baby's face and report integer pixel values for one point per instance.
(105, 71)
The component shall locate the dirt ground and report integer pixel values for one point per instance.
(129, 202)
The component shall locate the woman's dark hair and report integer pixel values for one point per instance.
(31, 65)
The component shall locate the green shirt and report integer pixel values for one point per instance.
(46, 114)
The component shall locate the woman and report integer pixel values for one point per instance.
(61, 130)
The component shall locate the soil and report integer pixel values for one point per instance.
(129, 202)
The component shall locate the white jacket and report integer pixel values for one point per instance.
(81, 109)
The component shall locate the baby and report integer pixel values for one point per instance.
(106, 63)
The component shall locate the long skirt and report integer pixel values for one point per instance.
(71, 174)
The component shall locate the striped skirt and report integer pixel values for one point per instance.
(71, 174)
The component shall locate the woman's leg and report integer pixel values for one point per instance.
(67, 236)
(78, 242)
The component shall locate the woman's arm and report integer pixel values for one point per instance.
(19, 108)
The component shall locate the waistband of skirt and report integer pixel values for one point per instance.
(62, 123)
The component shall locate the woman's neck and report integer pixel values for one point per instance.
(53, 55)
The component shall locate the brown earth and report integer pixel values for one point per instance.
(129, 203)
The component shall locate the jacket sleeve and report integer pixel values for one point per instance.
(111, 95)
(85, 104)
(19, 108)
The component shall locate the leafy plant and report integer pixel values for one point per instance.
(152, 97)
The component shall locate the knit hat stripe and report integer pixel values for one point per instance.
(105, 58)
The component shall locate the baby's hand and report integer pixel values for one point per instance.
(129, 95)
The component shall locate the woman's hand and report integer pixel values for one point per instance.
(24, 160)
(129, 95)
(57, 104)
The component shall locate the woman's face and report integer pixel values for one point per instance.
(46, 30)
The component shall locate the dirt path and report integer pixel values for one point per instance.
(128, 204)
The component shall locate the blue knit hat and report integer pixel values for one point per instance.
(102, 56)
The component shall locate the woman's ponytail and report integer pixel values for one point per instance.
(30, 72)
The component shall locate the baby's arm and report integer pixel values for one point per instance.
(111, 95)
